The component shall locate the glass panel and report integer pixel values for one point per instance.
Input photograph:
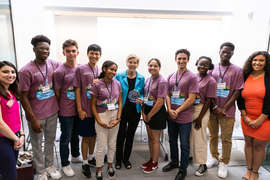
(7, 49)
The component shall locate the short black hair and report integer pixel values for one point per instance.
(209, 59)
(94, 47)
(227, 44)
(182, 51)
(40, 38)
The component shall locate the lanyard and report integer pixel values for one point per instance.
(93, 71)
(151, 84)
(224, 72)
(180, 77)
(108, 89)
(201, 78)
(41, 72)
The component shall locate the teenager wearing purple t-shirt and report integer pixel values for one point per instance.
(85, 77)
(40, 105)
(11, 129)
(181, 94)
(230, 81)
(68, 116)
(154, 112)
(106, 106)
(201, 113)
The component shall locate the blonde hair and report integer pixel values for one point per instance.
(133, 56)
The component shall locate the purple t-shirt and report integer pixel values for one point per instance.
(43, 104)
(234, 81)
(155, 88)
(207, 87)
(84, 77)
(187, 84)
(103, 92)
(63, 78)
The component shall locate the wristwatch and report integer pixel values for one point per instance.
(118, 119)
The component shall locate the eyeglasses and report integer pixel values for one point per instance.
(43, 48)
(203, 65)
(227, 52)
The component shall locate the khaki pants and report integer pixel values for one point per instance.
(226, 126)
(198, 141)
(106, 137)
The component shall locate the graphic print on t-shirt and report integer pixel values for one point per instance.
(71, 92)
(42, 95)
(88, 90)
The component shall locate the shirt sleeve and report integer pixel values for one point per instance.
(57, 80)
(162, 89)
(24, 81)
(240, 80)
(193, 85)
(94, 90)
(211, 91)
(77, 78)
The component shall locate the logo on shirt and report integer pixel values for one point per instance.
(51, 72)
(229, 73)
(228, 87)
(183, 80)
(154, 85)
(202, 84)
(116, 89)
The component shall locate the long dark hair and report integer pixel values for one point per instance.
(105, 65)
(248, 64)
(14, 87)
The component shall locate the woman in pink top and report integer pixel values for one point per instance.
(11, 132)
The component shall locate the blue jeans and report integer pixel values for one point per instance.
(70, 133)
(183, 130)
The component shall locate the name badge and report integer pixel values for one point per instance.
(176, 94)
(46, 88)
(221, 85)
(10, 103)
(145, 99)
(111, 106)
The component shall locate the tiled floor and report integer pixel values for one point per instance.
(140, 154)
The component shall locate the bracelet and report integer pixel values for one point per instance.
(22, 135)
(215, 108)
(118, 119)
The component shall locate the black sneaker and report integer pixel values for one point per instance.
(99, 175)
(181, 175)
(86, 171)
(92, 162)
(201, 170)
(111, 173)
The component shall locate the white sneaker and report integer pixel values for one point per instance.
(43, 176)
(68, 171)
(53, 173)
(211, 162)
(222, 170)
(77, 159)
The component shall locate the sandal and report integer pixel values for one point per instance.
(257, 173)
(243, 178)
(127, 164)
(118, 165)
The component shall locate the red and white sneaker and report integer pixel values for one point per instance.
(151, 168)
(145, 165)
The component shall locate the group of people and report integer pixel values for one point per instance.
(104, 107)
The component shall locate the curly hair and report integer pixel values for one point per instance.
(209, 59)
(40, 38)
(14, 87)
(247, 68)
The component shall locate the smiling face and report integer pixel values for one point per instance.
(203, 66)
(110, 72)
(258, 63)
(153, 68)
(71, 53)
(182, 60)
(93, 57)
(132, 64)
(225, 54)
(7, 75)
(42, 50)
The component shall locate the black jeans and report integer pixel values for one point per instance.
(127, 129)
